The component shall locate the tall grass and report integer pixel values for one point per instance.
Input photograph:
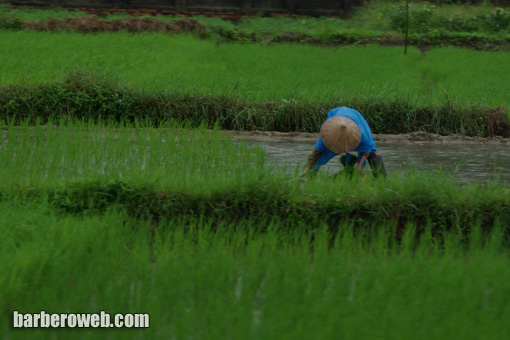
(157, 63)
(225, 282)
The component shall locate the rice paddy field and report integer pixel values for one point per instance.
(155, 63)
(212, 242)
(176, 220)
(237, 284)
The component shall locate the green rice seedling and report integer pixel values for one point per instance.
(209, 280)
(255, 72)
(48, 156)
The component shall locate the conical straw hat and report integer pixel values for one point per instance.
(340, 134)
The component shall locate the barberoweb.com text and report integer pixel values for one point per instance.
(79, 320)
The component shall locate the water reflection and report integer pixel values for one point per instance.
(467, 161)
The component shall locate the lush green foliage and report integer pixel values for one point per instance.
(196, 279)
(84, 97)
(157, 63)
(425, 17)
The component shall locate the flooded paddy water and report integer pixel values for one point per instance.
(467, 159)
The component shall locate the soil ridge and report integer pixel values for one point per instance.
(412, 137)
(93, 24)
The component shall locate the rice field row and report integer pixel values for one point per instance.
(163, 172)
(158, 63)
(198, 280)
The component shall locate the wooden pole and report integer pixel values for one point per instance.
(407, 26)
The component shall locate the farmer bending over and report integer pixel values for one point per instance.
(346, 130)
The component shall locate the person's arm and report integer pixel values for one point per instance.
(363, 157)
(314, 156)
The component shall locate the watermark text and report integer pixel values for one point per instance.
(79, 320)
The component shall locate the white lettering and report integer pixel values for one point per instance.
(142, 321)
(105, 319)
(55, 320)
(94, 320)
(45, 319)
(27, 322)
(36, 320)
(71, 320)
(82, 320)
(118, 320)
(128, 320)
(18, 319)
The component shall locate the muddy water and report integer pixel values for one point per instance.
(465, 161)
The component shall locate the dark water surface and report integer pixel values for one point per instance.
(466, 161)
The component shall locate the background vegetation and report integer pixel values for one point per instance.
(482, 26)
(47, 76)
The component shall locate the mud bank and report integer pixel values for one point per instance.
(407, 137)
(92, 24)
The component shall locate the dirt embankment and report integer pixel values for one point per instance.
(92, 24)
(413, 137)
(406, 138)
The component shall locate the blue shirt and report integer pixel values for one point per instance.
(367, 143)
